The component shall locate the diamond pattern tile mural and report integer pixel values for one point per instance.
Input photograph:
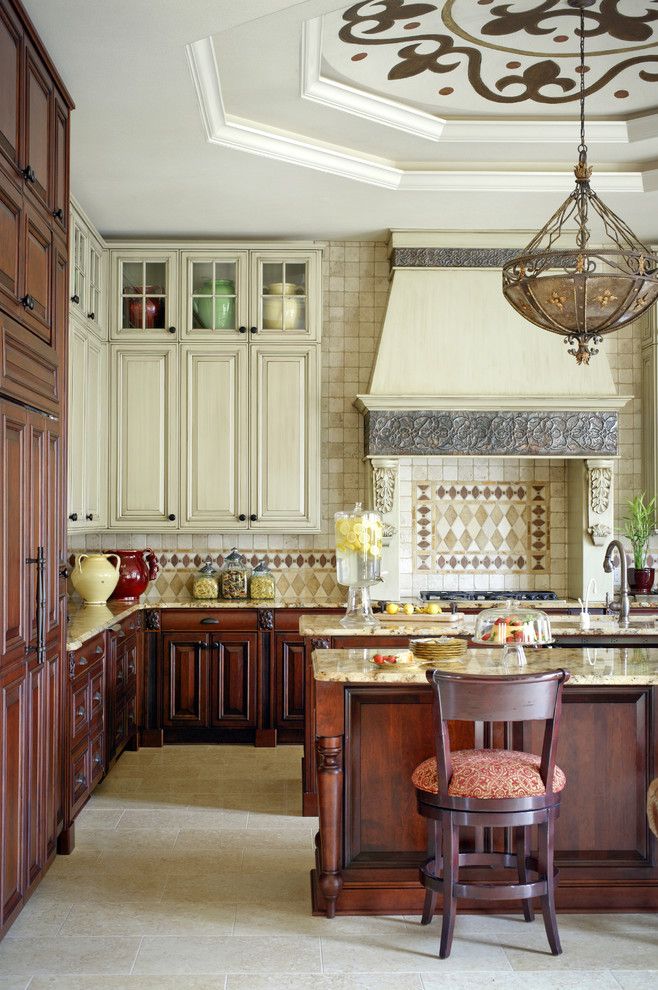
(497, 527)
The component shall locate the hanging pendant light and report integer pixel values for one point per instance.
(577, 291)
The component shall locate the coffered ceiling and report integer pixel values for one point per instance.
(271, 118)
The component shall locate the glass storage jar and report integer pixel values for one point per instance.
(510, 623)
(206, 582)
(358, 561)
(235, 576)
(261, 586)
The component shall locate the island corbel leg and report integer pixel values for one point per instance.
(329, 750)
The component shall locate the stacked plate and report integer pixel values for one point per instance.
(435, 650)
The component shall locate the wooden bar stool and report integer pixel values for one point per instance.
(492, 788)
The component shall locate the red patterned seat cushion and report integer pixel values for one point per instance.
(488, 774)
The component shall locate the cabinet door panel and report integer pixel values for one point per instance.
(11, 203)
(215, 294)
(14, 443)
(38, 254)
(61, 163)
(95, 444)
(76, 425)
(185, 681)
(233, 681)
(143, 295)
(38, 139)
(35, 753)
(286, 294)
(36, 513)
(53, 752)
(52, 537)
(12, 792)
(214, 436)
(290, 681)
(284, 437)
(10, 85)
(145, 432)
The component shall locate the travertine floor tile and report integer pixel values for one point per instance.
(13, 983)
(42, 915)
(406, 951)
(573, 980)
(198, 840)
(150, 918)
(646, 979)
(355, 981)
(581, 950)
(25, 956)
(256, 954)
(216, 982)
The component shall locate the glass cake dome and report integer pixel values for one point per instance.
(511, 624)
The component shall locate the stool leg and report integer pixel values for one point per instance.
(450, 859)
(434, 850)
(522, 853)
(546, 869)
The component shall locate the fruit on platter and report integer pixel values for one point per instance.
(408, 608)
(515, 629)
(392, 608)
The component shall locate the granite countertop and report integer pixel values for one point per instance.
(87, 621)
(594, 666)
(319, 626)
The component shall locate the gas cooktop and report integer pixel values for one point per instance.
(488, 596)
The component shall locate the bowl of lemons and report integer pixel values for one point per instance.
(409, 611)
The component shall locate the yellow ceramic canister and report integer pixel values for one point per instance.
(94, 577)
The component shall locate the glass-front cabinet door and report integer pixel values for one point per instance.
(94, 305)
(215, 294)
(79, 270)
(144, 295)
(286, 294)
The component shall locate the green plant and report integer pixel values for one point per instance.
(638, 527)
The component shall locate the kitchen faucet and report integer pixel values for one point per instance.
(624, 601)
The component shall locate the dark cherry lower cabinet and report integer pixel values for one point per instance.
(209, 684)
(290, 684)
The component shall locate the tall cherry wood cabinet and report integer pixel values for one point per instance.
(34, 211)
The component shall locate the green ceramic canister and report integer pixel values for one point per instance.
(221, 292)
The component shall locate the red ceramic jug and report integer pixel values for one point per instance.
(136, 569)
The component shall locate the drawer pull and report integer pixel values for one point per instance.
(210, 622)
(81, 711)
(75, 298)
(82, 662)
(58, 213)
(81, 780)
(119, 676)
(98, 759)
(131, 669)
(28, 301)
(98, 650)
(73, 516)
(98, 697)
(29, 174)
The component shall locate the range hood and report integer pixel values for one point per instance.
(459, 372)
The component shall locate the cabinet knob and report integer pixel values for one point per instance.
(29, 174)
(64, 571)
(58, 213)
(75, 298)
(254, 329)
(98, 759)
(99, 650)
(81, 780)
(119, 677)
(89, 516)
(171, 517)
(253, 517)
(242, 517)
(91, 316)
(73, 517)
(82, 661)
(81, 711)
(131, 669)
(97, 696)
(28, 301)
(242, 329)
(171, 329)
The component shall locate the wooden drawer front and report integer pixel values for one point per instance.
(80, 711)
(207, 621)
(87, 656)
(80, 776)
(130, 665)
(97, 756)
(28, 366)
(129, 626)
(125, 723)
(97, 696)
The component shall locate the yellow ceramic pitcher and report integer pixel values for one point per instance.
(94, 576)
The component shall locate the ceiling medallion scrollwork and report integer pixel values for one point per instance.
(474, 41)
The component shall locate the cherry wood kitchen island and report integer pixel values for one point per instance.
(374, 726)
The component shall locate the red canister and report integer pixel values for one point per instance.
(136, 569)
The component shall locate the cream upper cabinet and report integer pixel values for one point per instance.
(144, 436)
(284, 428)
(144, 296)
(215, 295)
(88, 268)
(87, 436)
(214, 437)
(285, 294)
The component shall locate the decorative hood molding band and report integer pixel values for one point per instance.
(532, 433)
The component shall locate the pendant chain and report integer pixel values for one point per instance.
(582, 149)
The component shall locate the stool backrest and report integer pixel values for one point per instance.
(501, 698)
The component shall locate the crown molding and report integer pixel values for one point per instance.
(296, 149)
(506, 403)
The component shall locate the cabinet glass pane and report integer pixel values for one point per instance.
(133, 317)
(155, 312)
(156, 278)
(213, 295)
(133, 278)
(284, 296)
